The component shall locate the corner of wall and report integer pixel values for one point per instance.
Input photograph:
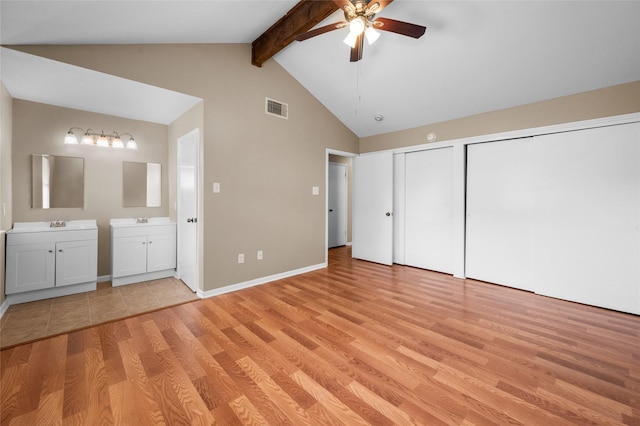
(6, 205)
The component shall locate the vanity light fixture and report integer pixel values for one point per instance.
(112, 140)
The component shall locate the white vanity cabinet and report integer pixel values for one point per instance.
(142, 251)
(43, 262)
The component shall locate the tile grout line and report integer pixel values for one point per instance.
(46, 328)
(89, 309)
(124, 302)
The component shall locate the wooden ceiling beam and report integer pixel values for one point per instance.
(301, 18)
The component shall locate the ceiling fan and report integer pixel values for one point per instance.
(359, 15)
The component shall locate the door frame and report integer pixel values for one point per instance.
(198, 281)
(326, 197)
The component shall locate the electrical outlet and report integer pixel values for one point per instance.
(216, 187)
(259, 254)
(241, 258)
(315, 190)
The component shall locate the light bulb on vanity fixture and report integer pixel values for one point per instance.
(112, 140)
(102, 141)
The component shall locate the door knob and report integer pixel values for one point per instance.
(192, 220)
(330, 210)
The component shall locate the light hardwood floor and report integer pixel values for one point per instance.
(356, 343)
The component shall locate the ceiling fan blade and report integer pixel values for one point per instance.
(356, 51)
(321, 30)
(399, 27)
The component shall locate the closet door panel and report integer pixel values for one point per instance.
(499, 213)
(587, 216)
(429, 209)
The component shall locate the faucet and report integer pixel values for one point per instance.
(57, 224)
(142, 220)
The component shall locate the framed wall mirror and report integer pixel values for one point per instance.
(57, 182)
(141, 184)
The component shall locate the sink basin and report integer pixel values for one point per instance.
(70, 225)
(151, 221)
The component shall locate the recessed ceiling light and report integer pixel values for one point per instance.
(378, 117)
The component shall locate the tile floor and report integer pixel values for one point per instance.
(34, 320)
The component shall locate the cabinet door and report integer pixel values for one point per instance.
(30, 267)
(129, 256)
(76, 262)
(161, 252)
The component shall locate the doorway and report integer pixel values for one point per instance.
(337, 212)
(338, 163)
(188, 146)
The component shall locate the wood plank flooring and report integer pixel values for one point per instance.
(356, 343)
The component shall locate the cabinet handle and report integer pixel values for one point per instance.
(150, 242)
(50, 251)
(144, 242)
(60, 251)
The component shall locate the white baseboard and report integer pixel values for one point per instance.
(259, 281)
(104, 278)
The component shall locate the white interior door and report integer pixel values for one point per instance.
(188, 209)
(373, 207)
(429, 209)
(337, 214)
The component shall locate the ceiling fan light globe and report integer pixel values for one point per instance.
(357, 26)
(371, 35)
(350, 40)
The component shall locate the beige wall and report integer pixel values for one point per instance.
(40, 129)
(606, 102)
(266, 166)
(6, 219)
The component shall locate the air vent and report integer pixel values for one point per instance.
(277, 108)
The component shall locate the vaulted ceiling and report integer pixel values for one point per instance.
(476, 56)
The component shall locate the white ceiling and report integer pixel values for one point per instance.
(476, 56)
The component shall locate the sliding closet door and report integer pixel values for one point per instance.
(499, 213)
(429, 209)
(587, 210)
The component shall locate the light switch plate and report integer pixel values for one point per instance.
(216, 187)
(241, 258)
(259, 255)
(315, 190)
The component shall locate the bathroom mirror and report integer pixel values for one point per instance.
(56, 181)
(141, 184)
